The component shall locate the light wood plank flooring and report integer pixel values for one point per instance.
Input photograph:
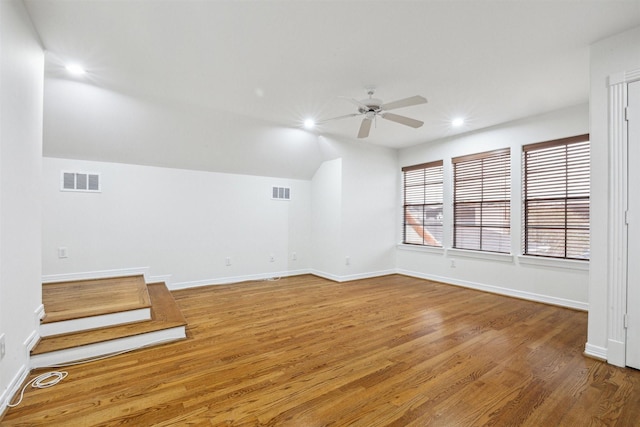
(82, 298)
(390, 351)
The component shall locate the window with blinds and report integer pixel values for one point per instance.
(422, 224)
(481, 201)
(556, 198)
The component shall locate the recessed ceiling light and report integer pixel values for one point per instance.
(457, 122)
(309, 123)
(75, 69)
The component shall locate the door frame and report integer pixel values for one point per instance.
(617, 224)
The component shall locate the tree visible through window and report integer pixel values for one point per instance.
(482, 201)
(556, 198)
(423, 204)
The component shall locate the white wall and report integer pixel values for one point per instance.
(177, 222)
(369, 205)
(610, 56)
(185, 223)
(84, 120)
(557, 282)
(326, 218)
(354, 204)
(21, 88)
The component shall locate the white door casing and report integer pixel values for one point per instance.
(617, 251)
(633, 226)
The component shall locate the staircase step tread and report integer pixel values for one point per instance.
(165, 314)
(85, 298)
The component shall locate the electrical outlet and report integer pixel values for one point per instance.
(347, 260)
(272, 258)
(453, 263)
(3, 349)
(62, 252)
(227, 261)
(294, 256)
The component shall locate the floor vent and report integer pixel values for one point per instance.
(80, 181)
(281, 193)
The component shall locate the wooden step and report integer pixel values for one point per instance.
(166, 324)
(85, 298)
(91, 304)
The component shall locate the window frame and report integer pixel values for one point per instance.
(427, 202)
(580, 171)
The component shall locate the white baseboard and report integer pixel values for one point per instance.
(617, 353)
(39, 313)
(12, 388)
(166, 278)
(102, 274)
(595, 351)
(576, 305)
(31, 342)
(324, 275)
(235, 279)
(351, 277)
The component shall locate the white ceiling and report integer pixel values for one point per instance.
(282, 61)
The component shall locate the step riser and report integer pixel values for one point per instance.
(94, 322)
(101, 349)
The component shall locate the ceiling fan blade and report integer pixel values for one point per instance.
(364, 128)
(402, 120)
(339, 117)
(407, 102)
(355, 102)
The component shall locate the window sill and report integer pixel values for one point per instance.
(568, 264)
(438, 250)
(489, 256)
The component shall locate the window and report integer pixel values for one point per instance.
(422, 223)
(481, 201)
(556, 198)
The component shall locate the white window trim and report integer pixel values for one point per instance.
(568, 264)
(485, 255)
(438, 250)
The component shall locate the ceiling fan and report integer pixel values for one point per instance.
(372, 108)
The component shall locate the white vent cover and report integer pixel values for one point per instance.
(281, 193)
(80, 181)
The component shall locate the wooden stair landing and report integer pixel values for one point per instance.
(166, 323)
(85, 298)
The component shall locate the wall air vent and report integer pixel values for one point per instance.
(80, 181)
(281, 193)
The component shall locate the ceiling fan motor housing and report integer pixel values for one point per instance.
(373, 105)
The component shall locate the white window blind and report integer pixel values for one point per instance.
(482, 205)
(422, 224)
(556, 198)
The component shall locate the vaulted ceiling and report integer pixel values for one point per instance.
(279, 62)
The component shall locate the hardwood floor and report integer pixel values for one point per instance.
(93, 297)
(389, 351)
